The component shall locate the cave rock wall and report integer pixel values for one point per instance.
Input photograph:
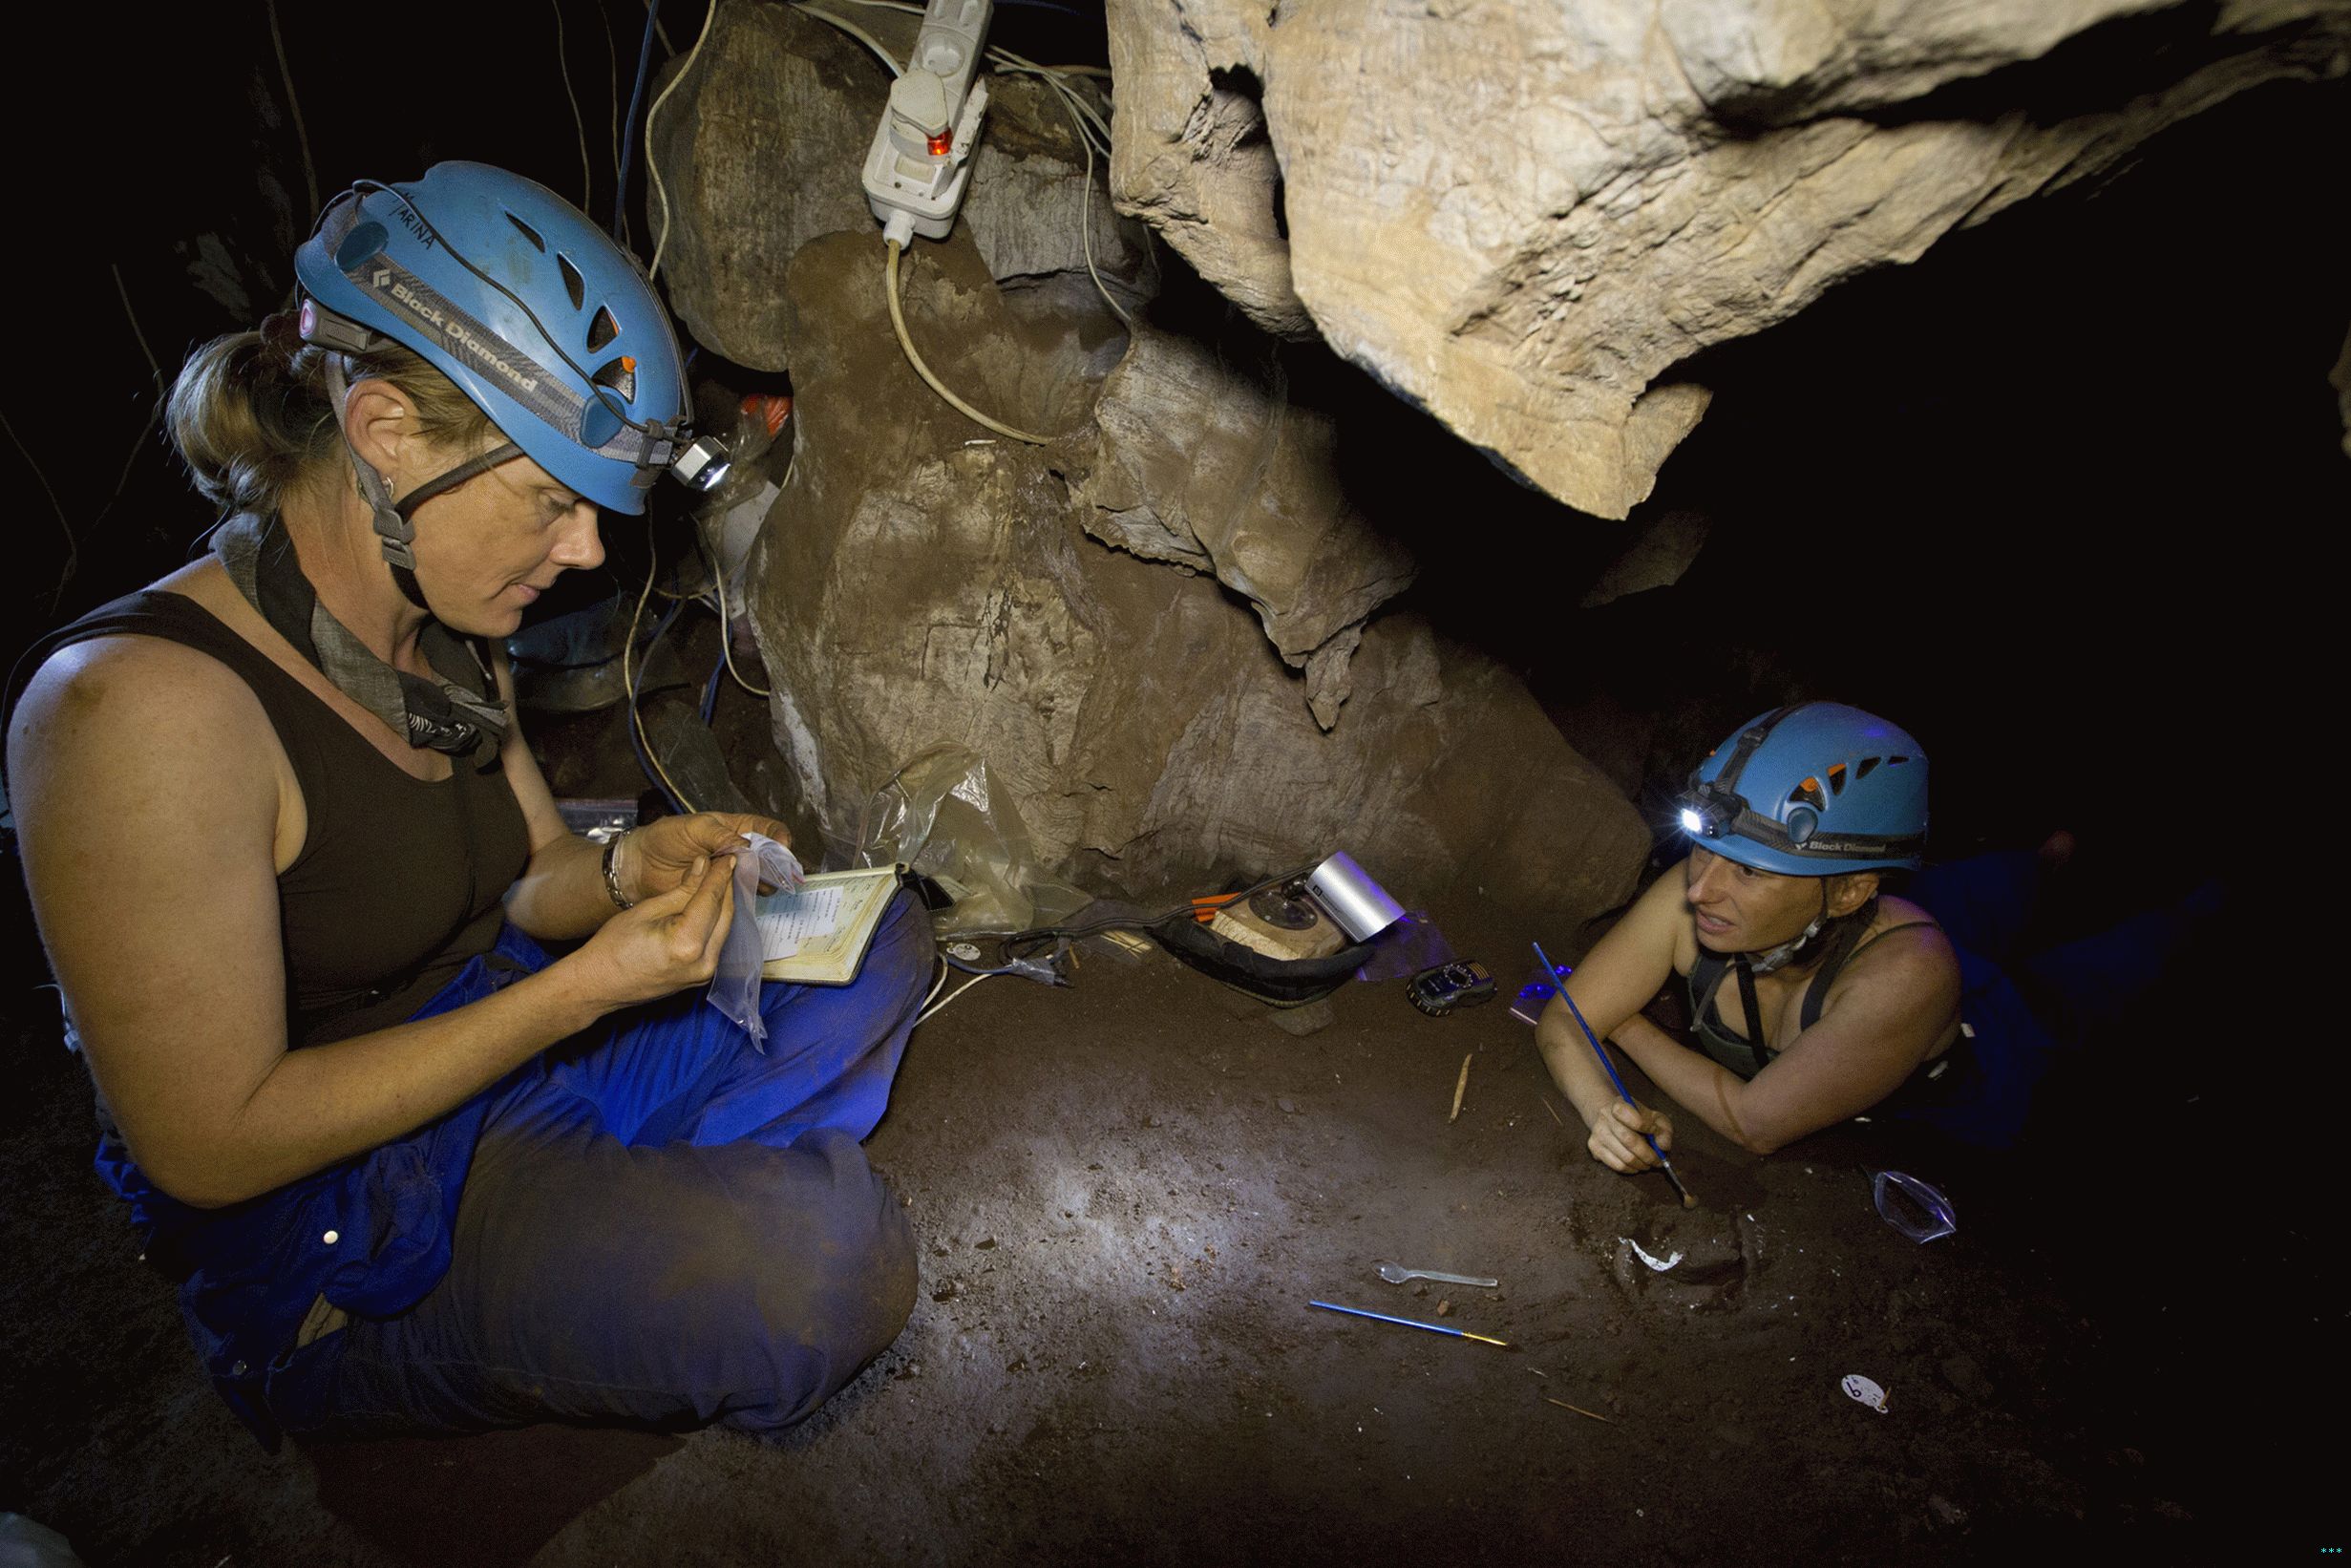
(1169, 629)
(1523, 214)
(917, 585)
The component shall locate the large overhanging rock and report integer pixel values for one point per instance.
(1523, 215)
(760, 148)
(919, 583)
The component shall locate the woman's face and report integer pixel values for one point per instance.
(490, 547)
(1739, 909)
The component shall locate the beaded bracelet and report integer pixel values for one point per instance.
(613, 875)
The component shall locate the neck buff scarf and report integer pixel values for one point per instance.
(456, 713)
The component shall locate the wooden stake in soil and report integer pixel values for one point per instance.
(1460, 1088)
(1579, 1409)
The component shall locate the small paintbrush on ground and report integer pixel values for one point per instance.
(1600, 1051)
(1413, 1322)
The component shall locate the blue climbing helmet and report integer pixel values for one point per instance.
(511, 293)
(1811, 789)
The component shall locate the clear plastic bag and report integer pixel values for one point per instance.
(1913, 1207)
(945, 815)
(734, 989)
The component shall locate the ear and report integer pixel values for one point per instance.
(1849, 890)
(380, 424)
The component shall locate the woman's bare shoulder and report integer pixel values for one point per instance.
(1904, 950)
(1906, 926)
(129, 676)
(146, 705)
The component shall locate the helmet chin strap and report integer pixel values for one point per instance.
(1774, 958)
(395, 525)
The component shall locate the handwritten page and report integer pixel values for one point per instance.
(787, 919)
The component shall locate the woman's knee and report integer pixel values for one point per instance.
(830, 1267)
(904, 947)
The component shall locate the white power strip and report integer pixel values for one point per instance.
(919, 164)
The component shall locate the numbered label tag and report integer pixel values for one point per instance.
(1858, 1386)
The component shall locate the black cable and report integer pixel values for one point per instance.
(629, 127)
(1125, 922)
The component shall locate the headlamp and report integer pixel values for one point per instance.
(1707, 813)
(701, 466)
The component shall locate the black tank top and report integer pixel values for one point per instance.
(398, 882)
(1745, 1054)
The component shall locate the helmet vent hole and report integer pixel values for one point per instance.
(603, 329)
(1836, 780)
(621, 376)
(1867, 765)
(573, 284)
(1891, 761)
(528, 233)
(1808, 794)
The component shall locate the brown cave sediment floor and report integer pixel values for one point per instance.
(1126, 1195)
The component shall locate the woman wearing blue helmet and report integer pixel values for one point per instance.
(290, 856)
(1816, 996)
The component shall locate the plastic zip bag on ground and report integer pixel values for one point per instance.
(946, 814)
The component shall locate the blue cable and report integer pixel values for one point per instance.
(629, 127)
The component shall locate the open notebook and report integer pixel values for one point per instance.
(818, 934)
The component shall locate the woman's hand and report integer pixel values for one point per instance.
(659, 857)
(666, 943)
(1615, 1140)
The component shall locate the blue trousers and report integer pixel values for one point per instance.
(2076, 989)
(650, 1224)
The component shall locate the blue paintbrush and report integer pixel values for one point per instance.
(1600, 1051)
(1412, 1323)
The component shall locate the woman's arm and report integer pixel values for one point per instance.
(562, 895)
(1623, 969)
(155, 808)
(1881, 1019)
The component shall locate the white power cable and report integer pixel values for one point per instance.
(563, 65)
(652, 166)
(629, 683)
(1006, 60)
(936, 985)
(949, 1000)
(898, 320)
(1084, 201)
(725, 631)
(896, 235)
(858, 32)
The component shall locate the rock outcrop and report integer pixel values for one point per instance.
(1206, 462)
(1523, 215)
(918, 583)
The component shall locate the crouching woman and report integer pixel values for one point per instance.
(1815, 995)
